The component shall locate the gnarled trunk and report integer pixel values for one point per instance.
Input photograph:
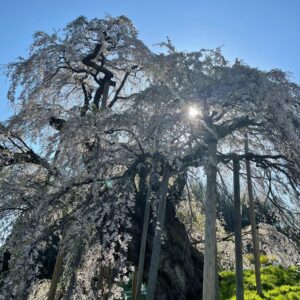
(180, 265)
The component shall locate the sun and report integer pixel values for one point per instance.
(193, 112)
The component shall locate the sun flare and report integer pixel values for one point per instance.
(193, 112)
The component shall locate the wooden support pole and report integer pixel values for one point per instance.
(255, 241)
(157, 236)
(140, 270)
(238, 231)
(210, 288)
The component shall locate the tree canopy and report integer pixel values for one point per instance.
(94, 110)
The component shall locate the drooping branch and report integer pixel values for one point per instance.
(88, 180)
(9, 157)
(235, 124)
(250, 156)
(286, 167)
(116, 96)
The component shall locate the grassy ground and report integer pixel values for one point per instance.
(277, 283)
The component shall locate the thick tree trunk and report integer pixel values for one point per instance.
(181, 264)
(155, 256)
(58, 269)
(209, 272)
(253, 223)
(75, 266)
(238, 232)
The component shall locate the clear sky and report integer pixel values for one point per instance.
(264, 33)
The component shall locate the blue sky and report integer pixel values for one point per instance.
(264, 33)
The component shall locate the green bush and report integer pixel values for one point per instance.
(249, 257)
(264, 259)
(284, 292)
(278, 284)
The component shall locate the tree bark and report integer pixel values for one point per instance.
(209, 272)
(75, 266)
(58, 269)
(253, 223)
(157, 236)
(105, 93)
(181, 264)
(238, 231)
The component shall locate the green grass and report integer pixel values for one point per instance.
(277, 283)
